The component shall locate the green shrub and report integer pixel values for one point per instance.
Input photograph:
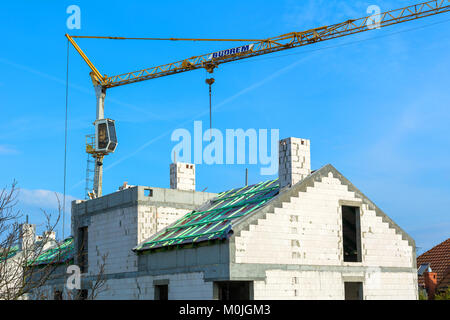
(422, 295)
(443, 295)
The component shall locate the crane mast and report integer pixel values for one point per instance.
(105, 138)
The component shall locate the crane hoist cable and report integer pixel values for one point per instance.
(253, 48)
(65, 141)
(209, 82)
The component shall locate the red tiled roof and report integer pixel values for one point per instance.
(439, 259)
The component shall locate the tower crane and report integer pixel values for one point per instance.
(105, 141)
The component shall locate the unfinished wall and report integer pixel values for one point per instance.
(11, 275)
(307, 231)
(294, 160)
(152, 219)
(182, 176)
(119, 221)
(166, 216)
(390, 286)
(295, 285)
(29, 247)
(58, 280)
(113, 233)
(329, 285)
(42, 293)
(181, 286)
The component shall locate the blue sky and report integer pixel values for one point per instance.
(374, 105)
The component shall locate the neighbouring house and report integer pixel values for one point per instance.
(50, 266)
(15, 257)
(305, 235)
(434, 269)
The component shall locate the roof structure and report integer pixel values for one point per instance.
(233, 210)
(5, 254)
(438, 259)
(55, 255)
(214, 220)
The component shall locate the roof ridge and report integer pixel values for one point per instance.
(443, 244)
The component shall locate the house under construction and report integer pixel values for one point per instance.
(306, 235)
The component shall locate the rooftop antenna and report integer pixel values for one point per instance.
(246, 176)
(27, 219)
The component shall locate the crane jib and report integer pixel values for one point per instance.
(227, 52)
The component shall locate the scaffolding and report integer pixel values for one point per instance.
(90, 164)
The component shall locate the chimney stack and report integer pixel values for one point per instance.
(430, 283)
(27, 236)
(294, 161)
(49, 235)
(182, 176)
(50, 239)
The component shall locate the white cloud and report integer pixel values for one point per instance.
(89, 91)
(7, 150)
(43, 199)
(316, 13)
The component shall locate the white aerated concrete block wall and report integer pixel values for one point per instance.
(12, 274)
(307, 230)
(294, 160)
(329, 285)
(113, 233)
(189, 286)
(181, 286)
(152, 219)
(299, 285)
(27, 236)
(167, 216)
(117, 231)
(147, 222)
(45, 292)
(390, 286)
(182, 176)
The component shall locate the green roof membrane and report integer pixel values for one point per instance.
(5, 254)
(215, 220)
(59, 254)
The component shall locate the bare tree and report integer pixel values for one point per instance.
(28, 262)
(19, 247)
(99, 284)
